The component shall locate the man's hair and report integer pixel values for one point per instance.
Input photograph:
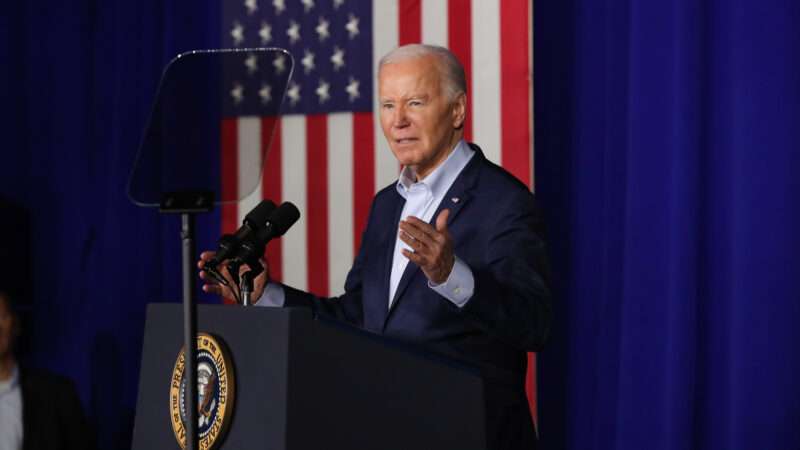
(453, 77)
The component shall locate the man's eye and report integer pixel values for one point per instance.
(387, 106)
(415, 103)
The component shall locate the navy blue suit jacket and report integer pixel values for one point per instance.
(52, 415)
(495, 229)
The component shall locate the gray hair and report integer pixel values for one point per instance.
(455, 81)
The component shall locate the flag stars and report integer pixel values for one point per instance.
(251, 62)
(293, 93)
(307, 61)
(293, 31)
(265, 93)
(265, 33)
(279, 63)
(323, 91)
(322, 29)
(252, 6)
(337, 59)
(237, 33)
(307, 5)
(280, 6)
(352, 89)
(237, 93)
(352, 26)
(337, 3)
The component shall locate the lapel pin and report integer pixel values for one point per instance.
(455, 199)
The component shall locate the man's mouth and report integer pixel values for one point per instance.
(405, 140)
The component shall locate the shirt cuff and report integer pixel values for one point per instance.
(460, 285)
(273, 296)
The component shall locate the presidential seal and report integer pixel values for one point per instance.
(215, 392)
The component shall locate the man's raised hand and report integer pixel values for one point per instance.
(433, 247)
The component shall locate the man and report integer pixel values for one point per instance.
(38, 411)
(450, 257)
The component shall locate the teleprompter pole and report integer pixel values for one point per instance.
(189, 329)
(188, 204)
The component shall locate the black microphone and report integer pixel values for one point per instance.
(252, 247)
(229, 243)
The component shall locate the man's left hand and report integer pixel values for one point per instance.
(433, 247)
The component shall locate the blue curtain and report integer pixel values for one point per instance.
(667, 159)
(78, 81)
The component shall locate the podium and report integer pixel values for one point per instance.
(300, 382)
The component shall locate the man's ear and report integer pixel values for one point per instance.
(459, 110)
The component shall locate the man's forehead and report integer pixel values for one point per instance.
(408, 74)
(422, 64)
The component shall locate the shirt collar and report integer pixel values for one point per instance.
(442, 177)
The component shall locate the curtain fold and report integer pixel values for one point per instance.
(78, 83)
(668, 154)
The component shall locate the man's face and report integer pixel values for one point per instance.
(6, 327)
(420, 121)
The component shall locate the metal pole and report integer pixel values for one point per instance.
(246, 288)
(189, 329)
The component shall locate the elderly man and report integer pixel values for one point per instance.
(450, 258)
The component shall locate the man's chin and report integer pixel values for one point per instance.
(405, 157)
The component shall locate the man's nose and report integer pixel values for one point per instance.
(400, 117)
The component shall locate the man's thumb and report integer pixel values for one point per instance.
(441, 220)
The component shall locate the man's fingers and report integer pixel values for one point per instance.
(213, 289)
(421, 225)
(204, 258)
(416, 258)
(408, 239)
(417, 231)
(441, 221)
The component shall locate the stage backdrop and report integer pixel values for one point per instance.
(78, 81)
(668, 156)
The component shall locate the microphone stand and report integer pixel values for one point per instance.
(246, 286)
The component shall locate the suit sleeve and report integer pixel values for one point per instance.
(511, 299)
(346, 307)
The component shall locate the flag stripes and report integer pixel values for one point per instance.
(340, 196)
(515, 88)
(459, 40)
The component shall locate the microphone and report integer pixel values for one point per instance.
(252, 247)
(281, 219)
(229, 243)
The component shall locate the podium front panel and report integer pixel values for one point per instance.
(306, 383)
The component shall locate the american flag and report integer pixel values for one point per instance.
(327, 153)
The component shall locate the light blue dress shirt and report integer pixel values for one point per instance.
(422, 199)
(11, 413)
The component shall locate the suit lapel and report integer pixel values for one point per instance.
(386, 270)
(456, 197)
